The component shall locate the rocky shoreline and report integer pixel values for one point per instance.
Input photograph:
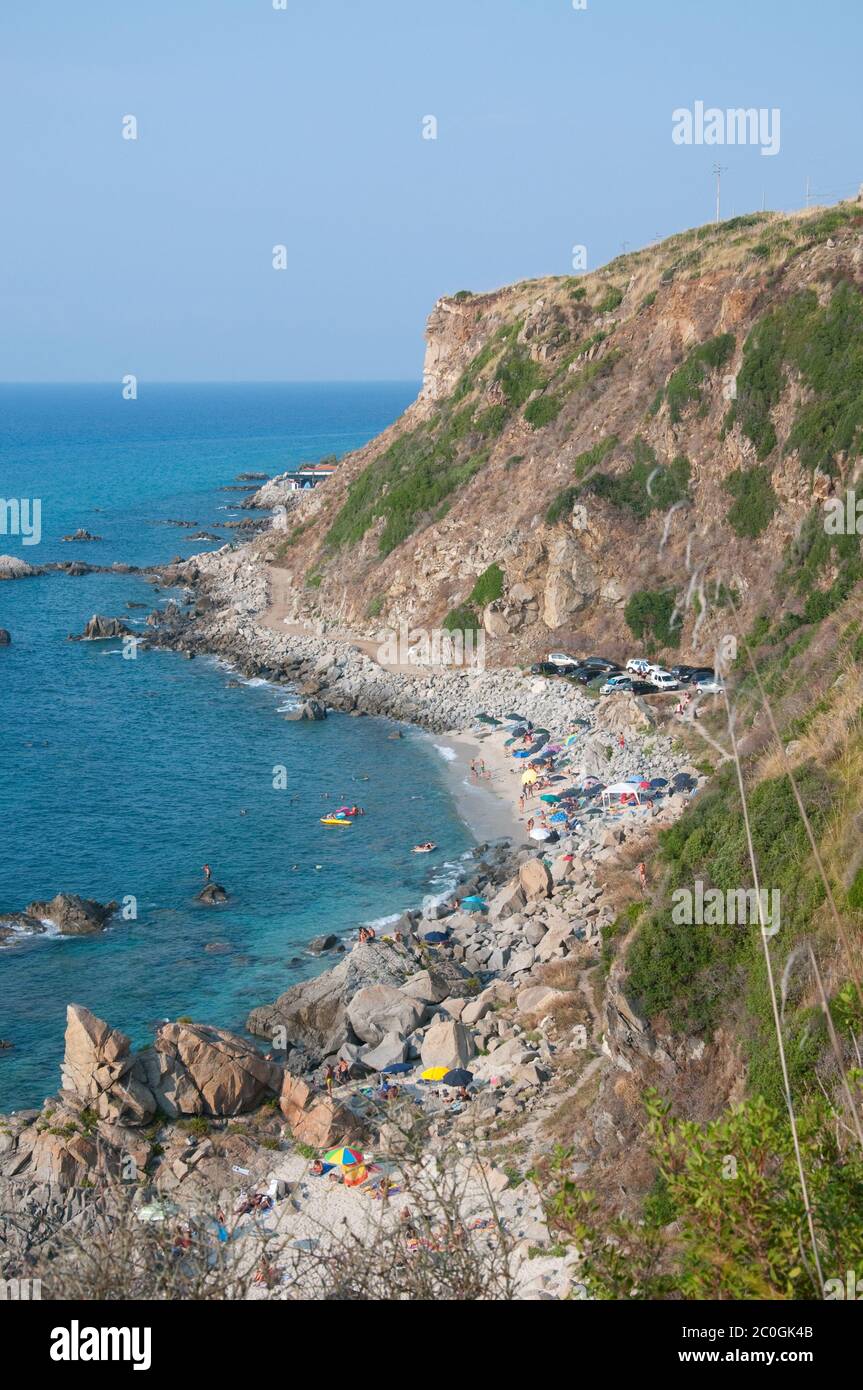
(493, 978)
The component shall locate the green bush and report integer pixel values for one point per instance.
(519, 376)
(755, 500)
(685, 384)
(645, 487)
(649, 614)
(610, 301)
(825, 347)
(488, 587)
(461, 619)
(543, 411)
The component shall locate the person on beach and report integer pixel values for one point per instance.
(329, 1079)
(343, 1071)
(642, 878)
(473, 767)
(530, 825)
(621, 742)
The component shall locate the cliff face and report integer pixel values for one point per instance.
(585, 443)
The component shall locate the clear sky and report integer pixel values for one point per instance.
(302, 126)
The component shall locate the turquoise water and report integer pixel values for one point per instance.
(122, 778)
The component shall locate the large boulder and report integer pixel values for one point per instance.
(313, 1014)
(447, 1043)
(99, 1068)
(388, 1053)
(5, 637)
(209, 1071)
(317, 1120)
(508, 900)
(380, 1009)
(535, 879)
(71, 914)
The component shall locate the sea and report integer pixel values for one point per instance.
(120, 779)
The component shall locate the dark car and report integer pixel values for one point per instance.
(700, 673)
(546, 668)
(643, 688)
(684, 673)
(599, 663)
(584, 674)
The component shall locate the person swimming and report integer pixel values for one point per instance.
(426, 848)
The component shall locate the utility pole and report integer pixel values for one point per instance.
(719, 170)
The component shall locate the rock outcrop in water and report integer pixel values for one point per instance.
(98, 629)
(11, 567)
(71, 914)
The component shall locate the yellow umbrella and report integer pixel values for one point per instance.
(435, 1073)
(529, 777)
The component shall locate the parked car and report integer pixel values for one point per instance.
(639, 665)
(615, 684)
(562, 659)
(710, 685)
(644, 688)
(683, 673)
(584, 674)
(600, 663)
(701, 673)
(548, 668)
(663, 680)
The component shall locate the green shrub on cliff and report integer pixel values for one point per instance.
(650, 616)
(488, 587)
(685, 384)
(726, 1217)
(755, 500)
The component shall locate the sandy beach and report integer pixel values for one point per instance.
(488, 804)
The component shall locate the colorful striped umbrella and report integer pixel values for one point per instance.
(343, 1156)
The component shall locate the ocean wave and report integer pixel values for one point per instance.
(447, 753)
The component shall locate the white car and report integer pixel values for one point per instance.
(639, 666)
(711, 685)
(615, 683)
(663, 680)
(561, 659)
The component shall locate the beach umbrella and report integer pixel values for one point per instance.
(539, 834)
(434, 1073)
(397, 1067)
(517, 718)
(487, 719)
(558, 816)
(570, 739)
(457, 1077)
(659, 781)
(550, 797)
(528, 778)
(343, 1156)
(435, 937)
(474, 904)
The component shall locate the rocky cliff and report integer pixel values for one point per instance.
(603, 458)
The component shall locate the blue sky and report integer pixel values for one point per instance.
(303, 127)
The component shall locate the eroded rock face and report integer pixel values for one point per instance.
(99, 1068)
(535, 880)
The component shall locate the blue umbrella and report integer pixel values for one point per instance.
(398, 1067)
(474, 903)
(436, 937)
